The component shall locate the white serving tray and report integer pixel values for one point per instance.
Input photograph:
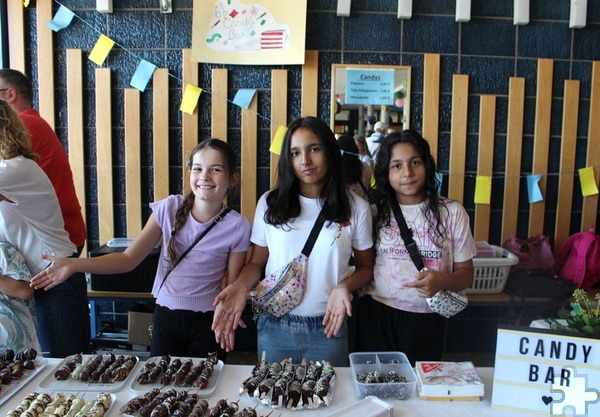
(203, 393)
(50, 383)
(10, 389)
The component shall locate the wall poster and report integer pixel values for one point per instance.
(268, 32)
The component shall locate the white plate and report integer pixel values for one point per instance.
(368, 407)
(9, 390)
(204, 393)
(87, 396)
(70, 384)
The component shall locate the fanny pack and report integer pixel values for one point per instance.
(280, 292)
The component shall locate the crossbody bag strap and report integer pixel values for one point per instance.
(407, 237)
(195, 242)
(314, 233)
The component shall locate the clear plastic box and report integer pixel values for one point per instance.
(484, 249)
(383, 362)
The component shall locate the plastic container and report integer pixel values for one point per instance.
(490, 274)
(484, 250)
(383, 362)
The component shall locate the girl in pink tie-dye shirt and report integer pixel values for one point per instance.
(392, 314)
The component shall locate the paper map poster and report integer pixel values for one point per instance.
(249, 32)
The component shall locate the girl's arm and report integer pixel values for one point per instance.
(339, 304)
(15, 288)
(113, 263)
(230, 302)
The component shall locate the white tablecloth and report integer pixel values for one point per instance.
(343, 396)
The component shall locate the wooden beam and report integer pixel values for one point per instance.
(278, 115)
(431, 102)
(541, 144)
(458, 136)
(514, 146)
(249, 160)
(104, 165)
(189, 122)
(590, 203)
(310, 84)
(133, 170)
(485, 161)
(45, 57)
(160, 133)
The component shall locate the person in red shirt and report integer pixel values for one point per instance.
(16, 90)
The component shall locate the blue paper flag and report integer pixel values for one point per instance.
(61, 19)
(244, 97)
(142, 75)
(533, 188)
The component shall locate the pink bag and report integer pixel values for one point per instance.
(533, 253)
(578, 259)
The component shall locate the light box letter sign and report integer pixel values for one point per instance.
(369, 86)
(546, 372)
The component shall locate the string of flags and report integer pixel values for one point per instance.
(243, 98)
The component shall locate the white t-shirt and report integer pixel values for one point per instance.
(393, 266)
(328, 261)
(31, 221)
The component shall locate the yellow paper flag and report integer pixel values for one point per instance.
(26, 3)
(103, 46)
(483, 189)
(588, 181)
(190, 98)
(278, 140)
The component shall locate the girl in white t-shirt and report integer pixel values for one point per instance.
(309, 174)
(393, 314)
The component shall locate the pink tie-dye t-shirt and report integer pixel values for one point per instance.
(393, 266)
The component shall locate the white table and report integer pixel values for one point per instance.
(344, 395)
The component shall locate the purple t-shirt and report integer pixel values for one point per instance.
(196, 280)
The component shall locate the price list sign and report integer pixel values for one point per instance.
(546, 372)
(369, 86)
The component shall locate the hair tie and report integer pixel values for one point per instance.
(173, 232)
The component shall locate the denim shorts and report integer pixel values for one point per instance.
(299, 337)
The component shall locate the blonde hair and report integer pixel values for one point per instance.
(14, 137)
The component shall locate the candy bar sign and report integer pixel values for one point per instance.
(546, 372)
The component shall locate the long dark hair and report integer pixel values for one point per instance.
(183, 211)
(283, 203)
(384, 195)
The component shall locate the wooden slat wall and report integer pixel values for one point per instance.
(75, 127)
(485, 161)
(590, 204)
(431, 101)
(104, 165)
(541, 144)
(309, 97)
(567, 161)
(458, 137)
(133, 174)
(278, 115)
(514, 146)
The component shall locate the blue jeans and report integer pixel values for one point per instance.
(299, 337)
(63, 317)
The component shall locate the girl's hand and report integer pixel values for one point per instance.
(428, 283)
(59, 271)
(229, 305)
(339, 306)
